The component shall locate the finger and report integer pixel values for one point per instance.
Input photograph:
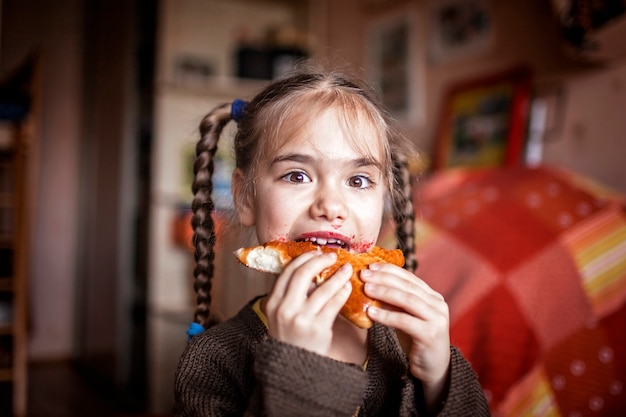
(425, 331)
(395, 319)
(327, 293)
(302, 277)
(283, 279)
(295, 282)
(414, 301)
(331, 309)
(394, 276)
(402, 274)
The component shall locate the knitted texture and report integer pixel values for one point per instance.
(236, 369)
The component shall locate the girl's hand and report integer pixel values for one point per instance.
(415, 309)
(302, 314)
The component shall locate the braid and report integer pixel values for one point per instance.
(403, 213)
(202, 206)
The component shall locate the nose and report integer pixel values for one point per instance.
(330, 204)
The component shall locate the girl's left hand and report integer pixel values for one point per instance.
(413, 308)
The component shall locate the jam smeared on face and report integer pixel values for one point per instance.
(361, 247)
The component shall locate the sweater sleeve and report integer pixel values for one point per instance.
(294, 381)
(465, 394)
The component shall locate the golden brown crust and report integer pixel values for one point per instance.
(356, 307)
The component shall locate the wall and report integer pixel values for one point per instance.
(524, 32)
(53, 28)
(593, 94)
(591, 138)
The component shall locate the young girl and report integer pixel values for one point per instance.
(317, 159)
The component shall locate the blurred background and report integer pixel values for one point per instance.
(100, 105)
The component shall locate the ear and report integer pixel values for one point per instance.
(244, 203)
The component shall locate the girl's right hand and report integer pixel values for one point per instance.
(302, 314)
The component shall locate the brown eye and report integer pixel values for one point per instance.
(297, 177)
(359, 181)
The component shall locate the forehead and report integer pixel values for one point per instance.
(329, 129)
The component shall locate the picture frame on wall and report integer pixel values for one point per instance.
(391, 61)
(459, 28)
(483, 121)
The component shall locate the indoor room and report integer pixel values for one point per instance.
(517, 184)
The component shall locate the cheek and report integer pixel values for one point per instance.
(369, 213)
(273, 219)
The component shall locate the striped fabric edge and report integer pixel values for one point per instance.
(532, 396)
(598, 247)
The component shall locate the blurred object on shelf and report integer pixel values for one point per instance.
(275, 55)
(593, 29)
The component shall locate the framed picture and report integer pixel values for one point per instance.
(391, 59)
(459, 28)
(483, 122)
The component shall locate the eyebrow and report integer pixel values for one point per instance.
(292, 157)
(302, 158)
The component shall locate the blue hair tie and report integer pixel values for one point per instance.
(194, 329)
(237, 108)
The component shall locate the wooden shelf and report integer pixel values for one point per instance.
(226, 87)
(15, 181)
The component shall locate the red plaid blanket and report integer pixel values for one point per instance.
(532, 263)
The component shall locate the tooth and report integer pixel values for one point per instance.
(321, 241)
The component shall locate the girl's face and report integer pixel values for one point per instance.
(318, 187)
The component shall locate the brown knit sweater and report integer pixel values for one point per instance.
(236, 369)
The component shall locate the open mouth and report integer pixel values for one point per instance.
(330, 242)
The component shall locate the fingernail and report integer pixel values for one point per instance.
(370, 288)
(366, 273)
(374, 267)
(346, 268)
(373, 311)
